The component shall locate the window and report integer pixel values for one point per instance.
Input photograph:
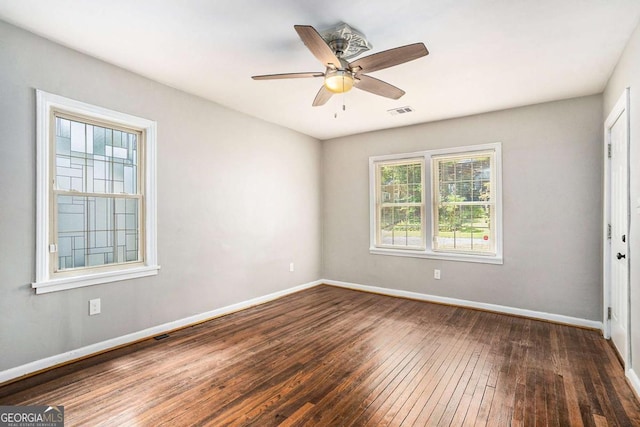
(463, 210)
(443, 204)
(400, 210)
(96, 195)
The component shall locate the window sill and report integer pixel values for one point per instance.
(483, 259)
(72, 282)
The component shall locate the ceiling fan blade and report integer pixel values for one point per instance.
(389, 58)
(378, 87)
(322, 97)
(316, 44)
(287, 76)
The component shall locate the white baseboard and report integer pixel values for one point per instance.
(634, 381)
(557, 318)
(49, 362)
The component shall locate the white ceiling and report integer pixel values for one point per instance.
(485, 55)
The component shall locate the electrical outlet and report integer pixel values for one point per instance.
(94, 306)
(291, 269)
(436, 274)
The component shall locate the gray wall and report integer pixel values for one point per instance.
(552, 191)
(238, 199)
(627, 74)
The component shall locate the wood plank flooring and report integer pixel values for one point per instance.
(335, 357)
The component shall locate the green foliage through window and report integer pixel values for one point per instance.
(463, 205)
(443, 203)
(400, 210)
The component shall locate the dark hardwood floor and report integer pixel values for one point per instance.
(334, 357)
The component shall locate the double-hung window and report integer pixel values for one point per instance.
(400, 211)
(96, 195)
(443, 204)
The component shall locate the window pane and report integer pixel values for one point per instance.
(401, 226)
(463, 207)
(401, 183)
(94, 231)
(465, 228)
(95, 159)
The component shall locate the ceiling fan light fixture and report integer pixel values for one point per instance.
(341, 75)
(338, 81)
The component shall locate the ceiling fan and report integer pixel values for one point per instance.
(340, 76)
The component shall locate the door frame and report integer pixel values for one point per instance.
(621, 107)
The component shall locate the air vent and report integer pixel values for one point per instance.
(401, 110)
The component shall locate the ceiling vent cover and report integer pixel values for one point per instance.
(401, 110)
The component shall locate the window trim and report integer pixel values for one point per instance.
(45, 281)
(428, 252)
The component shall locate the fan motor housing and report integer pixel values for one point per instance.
(339, 46)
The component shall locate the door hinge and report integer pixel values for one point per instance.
(608, 231)
(609, 313)
(609, 150)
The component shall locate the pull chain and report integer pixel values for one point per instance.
(344, 96)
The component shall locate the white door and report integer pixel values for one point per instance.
(616, 134)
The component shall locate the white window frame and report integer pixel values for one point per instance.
(47, 281)
(428, 190)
